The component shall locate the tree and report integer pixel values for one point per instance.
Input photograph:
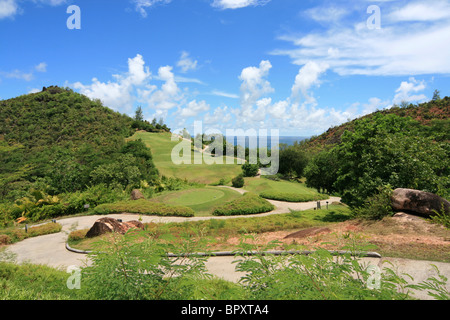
(139, 115)
(293, 160)
(321, 171)
(436, 95)
(381, 150)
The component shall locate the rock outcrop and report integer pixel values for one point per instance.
(419, 202)
(107, 225)
(136, 195)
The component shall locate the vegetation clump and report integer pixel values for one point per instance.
(238, 181)
(383, 150)
(292, 197)
(145, 207)
(248, 204)
(18, 233)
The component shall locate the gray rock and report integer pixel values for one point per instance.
(136, 195)
(419, 202)
(108, 225)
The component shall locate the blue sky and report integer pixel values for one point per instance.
(296, 66)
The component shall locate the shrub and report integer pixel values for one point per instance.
(250, 170)
(292, 197)
(126, 269)
(322, 276)
(248, 204)
(4, 239)
(238, 181)
(13, 235)
(145, 207)
(440, 217)
(77, 235)
(44, 229)
(93, 196)
(377, 206)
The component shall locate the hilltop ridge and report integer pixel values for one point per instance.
(432, 114)
(62, 141)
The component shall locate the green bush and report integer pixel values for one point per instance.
(381, 150)
(15, 234)
(145, 207)
(5, 239)
(77, 235)
(238, 181)
(377, 206)
(292, 197)
(250, 170)
(92, 196)
(248, 204)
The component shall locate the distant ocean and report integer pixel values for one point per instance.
(289, 140)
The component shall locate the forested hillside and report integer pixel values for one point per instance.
(403, 147)
(433, 116)
(58, 141)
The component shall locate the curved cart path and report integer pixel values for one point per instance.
(50, 249)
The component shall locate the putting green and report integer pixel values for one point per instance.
(201, 200)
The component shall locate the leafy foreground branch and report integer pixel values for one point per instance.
(323, 276)
(130, 268)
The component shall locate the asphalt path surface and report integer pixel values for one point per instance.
(51, 249)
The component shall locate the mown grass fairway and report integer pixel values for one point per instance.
(162, 146)
(201, 200)
(258, 185)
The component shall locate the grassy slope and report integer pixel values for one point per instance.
(162, 146)
(201, 200)
(258, 185)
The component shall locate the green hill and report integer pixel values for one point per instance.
(60, 141)
(433, 116)
(403, 147)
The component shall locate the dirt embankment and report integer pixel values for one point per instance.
(400, 235)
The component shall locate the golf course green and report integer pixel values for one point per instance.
(202, 200)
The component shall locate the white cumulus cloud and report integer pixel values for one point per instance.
(193, 108)
(413, 40)
(186, 63)
(409, 91)
(143, 5)
(8, 8)
(307, 77)
(237, 4)
(118, 94)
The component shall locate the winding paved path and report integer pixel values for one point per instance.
(50, 249)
